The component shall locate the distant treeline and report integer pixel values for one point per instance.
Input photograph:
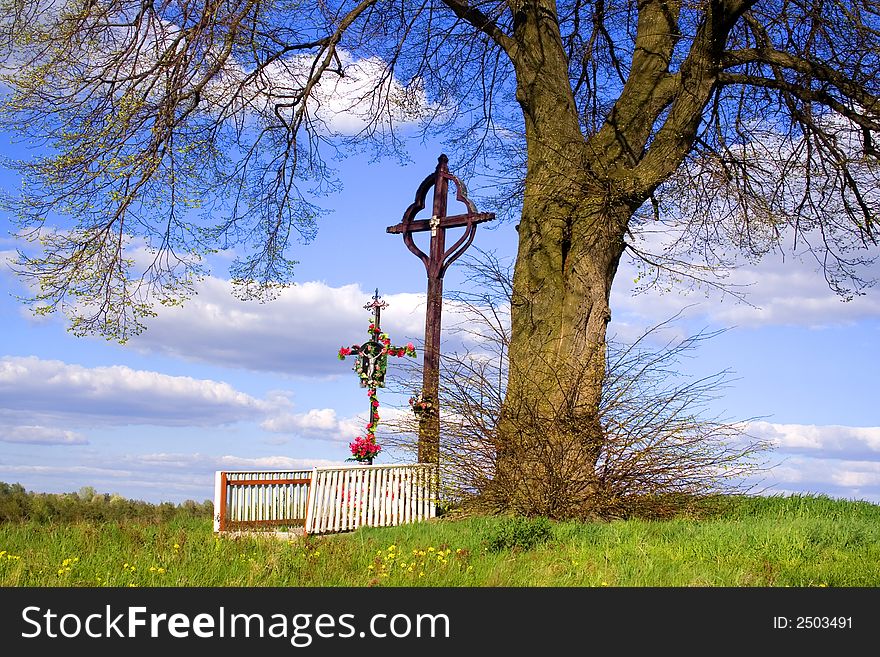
(16, 504)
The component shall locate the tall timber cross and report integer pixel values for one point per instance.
(436, 262)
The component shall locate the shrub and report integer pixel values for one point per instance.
(519, 532)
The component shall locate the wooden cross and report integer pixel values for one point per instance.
(436, 263)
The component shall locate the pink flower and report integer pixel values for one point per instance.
(364, 448)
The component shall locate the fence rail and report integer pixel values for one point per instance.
(326, 499)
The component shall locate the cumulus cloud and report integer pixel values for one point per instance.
(351, 95)
(324, 423)
(39, 435)
(838, 461)
(354, 95)
(783, 293)
(61, 395)
(831, 441)
(315, 423)
(299, 333)
(119, 395)
(843, 478)
(366, 93)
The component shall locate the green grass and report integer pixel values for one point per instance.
(797, 541)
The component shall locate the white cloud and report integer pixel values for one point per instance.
(789, 293)
(298, 334)
(856, 479)
(118, 395)
(366, 91)
(61, 396)
(316, 423)
(831, 441)
(838, 461)
(44, 399)
(366, 94)
(323, 424)
(842, 478)
(39, 435)
(349, 103)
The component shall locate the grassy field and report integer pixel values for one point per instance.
(797, 541)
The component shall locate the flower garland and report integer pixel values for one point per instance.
(365, 448)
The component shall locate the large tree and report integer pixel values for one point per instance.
(748, 124)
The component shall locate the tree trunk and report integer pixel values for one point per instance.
(550, 437)
(570, 242)
(580, 194)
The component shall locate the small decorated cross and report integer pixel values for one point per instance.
(371, 364)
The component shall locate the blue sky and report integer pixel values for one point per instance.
(226, 384)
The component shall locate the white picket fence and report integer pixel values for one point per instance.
(345, 498)
(326, 499)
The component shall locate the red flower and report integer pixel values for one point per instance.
(364, 448)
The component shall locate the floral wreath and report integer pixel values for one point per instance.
(421, 406)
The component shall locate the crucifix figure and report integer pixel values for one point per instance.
(370, 353)
(436, 263)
